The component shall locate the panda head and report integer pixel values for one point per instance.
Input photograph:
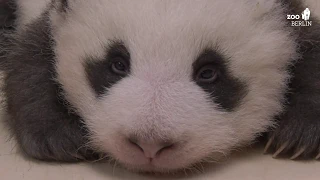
(162, 85)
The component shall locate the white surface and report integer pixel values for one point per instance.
(249, 165)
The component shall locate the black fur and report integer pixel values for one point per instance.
(7, 15)
(99, 72)
(40, 118)
(227, 91)
(7, 21)
(299, 125)
(64, 6)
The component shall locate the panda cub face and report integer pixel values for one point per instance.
(162, 85)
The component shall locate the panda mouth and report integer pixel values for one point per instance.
(161, 165)
(151, 168)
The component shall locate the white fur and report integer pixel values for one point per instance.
(28, 10)
(159, 99)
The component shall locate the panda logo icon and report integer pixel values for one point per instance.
(306, 14)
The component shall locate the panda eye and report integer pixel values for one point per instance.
(120, 67)
(207, 74)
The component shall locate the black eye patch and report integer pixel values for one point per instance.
(102, 74)
(211, 74)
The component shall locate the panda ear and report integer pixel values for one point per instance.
(61, 6)
(59, 11)
(64, 5)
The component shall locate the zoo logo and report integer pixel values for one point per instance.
(305, 15)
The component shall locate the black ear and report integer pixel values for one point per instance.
(59, 10)
(62, 6)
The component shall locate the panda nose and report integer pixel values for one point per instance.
(151, 149)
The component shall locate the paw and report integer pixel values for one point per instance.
(294, 143)
(57, 143)
(298, 133)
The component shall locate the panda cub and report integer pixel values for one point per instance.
(159, 85)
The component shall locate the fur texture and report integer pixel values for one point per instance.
(158, 117)
(6, 14)
(43, 125)
(298, 130)
(161, 101)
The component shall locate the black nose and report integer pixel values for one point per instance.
(151, 149)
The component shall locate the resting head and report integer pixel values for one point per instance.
(162, 85)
